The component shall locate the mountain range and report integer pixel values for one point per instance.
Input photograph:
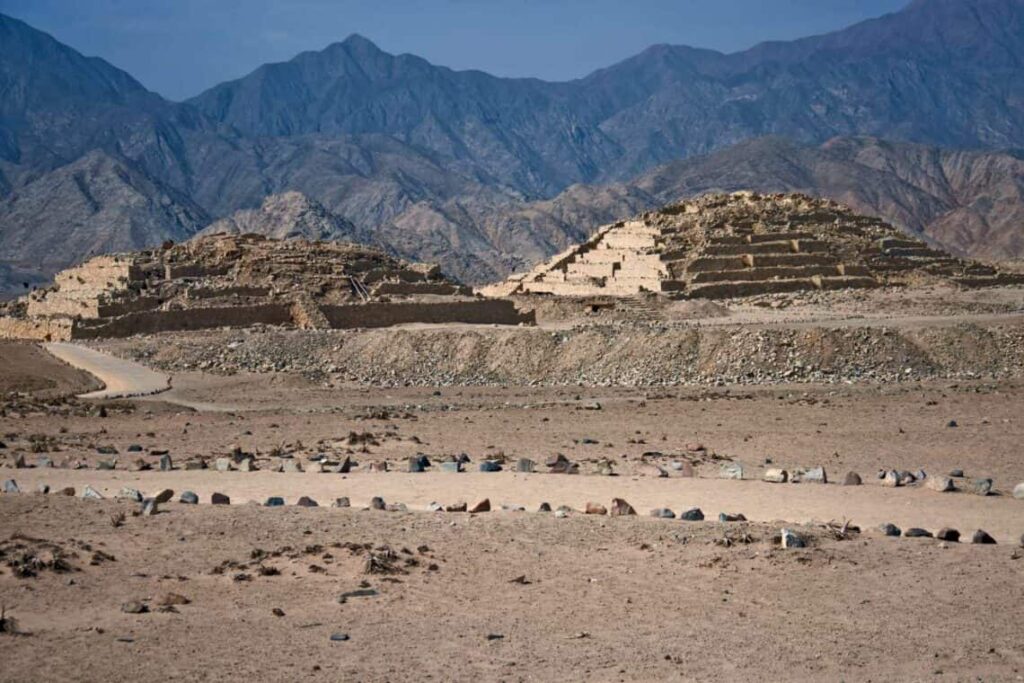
(913, 115)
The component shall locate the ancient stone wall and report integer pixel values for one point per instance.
(479, 312)
(149, 322)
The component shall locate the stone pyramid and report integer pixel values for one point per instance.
(742, 244)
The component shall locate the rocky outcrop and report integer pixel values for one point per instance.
(289, 215)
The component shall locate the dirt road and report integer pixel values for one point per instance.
(121, 378)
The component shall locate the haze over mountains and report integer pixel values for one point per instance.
(480, 173)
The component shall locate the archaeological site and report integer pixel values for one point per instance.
(706, 366)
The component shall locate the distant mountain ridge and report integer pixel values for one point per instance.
(430, 162)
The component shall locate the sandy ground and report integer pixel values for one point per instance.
(606, 599)
(601, 599)
(29, 368)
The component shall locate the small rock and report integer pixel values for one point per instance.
(663, 513)
(163, 496)
(731, 517)
(306, 502)
(189, 498)
(916, 532)
(940, 484)
(1018, 491)
(524, 465)
(339, 637)
(544, 507)
(621, 508)
(134, 607)
(792, 540)
(461, 506)
(815, 475)
(166, 464)
(43, 488)
(274, 502)
(91, 493)
(490, 466)
(561, 514)
(852, 479)
(775, 475)
(342, 502)
(434, 506)
(890, 529)
(11, 486)
(128, 493)
(67, 491)
(595, 509)
(891, 478)
(483, 506)
(106, 464)
(981, 537)
(686, 470)
(982, 487)
(149, 507)
(134, 448)
(222, 464)
(396, 507)
(692, 515)
(414, 465)
(219, 499)
(377, 503)
(277, 612)
(948, 534)
(173, 599)
(731, 470)
(247, 465)
(956, 474)
(453, 466)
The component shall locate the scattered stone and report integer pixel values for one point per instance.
(134, 607)
(544, 507)
(11, 486)
(457, 507)
(890, 529)
(490, 466)
(149, 507)
(222, 464)
(128, 493)
(956, 474)
(524, 465)
(621, 508)
(274, 502)
(91, 493)
(277, 612)
(43, 488)
(981, 537)
(106, 464)
(163, 496)
(106, 450)
(67, 491)
(396, 507)
(686, 470)
(792, 540)
(940, 484)
(906, 478)
(247, 465)
(193, 465)
(306, 502)
(219, 499)
(916, 532)
(948, 534)
(512, 507)
(852, 479)
(663, 513)
(44, 462)
(1018, 491)
(561, 513)
(134, 448)
(483, 506)
(595, 509)
(730, 517)
(982, 487)
(189, 498)
(434, 506)
(339, 637)
(731, 470)
(291, 466)
(173, 600)
(342, 502)
(815, 475)
(451, 466)
(377, 503)
(414, 465)
(140, 465)
(951, 424)
(891, 478)
(776, 475)
(692, 515)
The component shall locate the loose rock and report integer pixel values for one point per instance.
(981, 537)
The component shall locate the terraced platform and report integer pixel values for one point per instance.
(722, 246)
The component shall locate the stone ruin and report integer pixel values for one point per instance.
(243, 280)
(732, 245)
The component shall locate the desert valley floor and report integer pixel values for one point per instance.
(514, 594)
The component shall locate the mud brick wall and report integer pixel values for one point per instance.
(482, 312)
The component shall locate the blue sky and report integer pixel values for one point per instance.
(181, 47)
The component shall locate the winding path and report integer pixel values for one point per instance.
(121, 378)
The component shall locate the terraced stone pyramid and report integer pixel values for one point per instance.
(742, 244)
